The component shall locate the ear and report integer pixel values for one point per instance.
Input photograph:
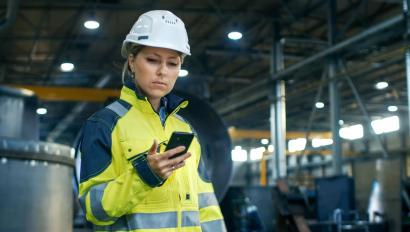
(131, 59)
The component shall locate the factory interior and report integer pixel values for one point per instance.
(300, 108)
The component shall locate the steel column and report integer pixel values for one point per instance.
(334, 91)
(278, 108)
(406, 4)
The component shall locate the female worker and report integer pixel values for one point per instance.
(128, 182)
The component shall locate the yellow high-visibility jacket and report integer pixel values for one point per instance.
(118, 190)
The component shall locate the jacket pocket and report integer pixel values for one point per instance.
(133, 148)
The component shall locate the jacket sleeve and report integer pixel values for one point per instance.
(210, 214)
(106, 193)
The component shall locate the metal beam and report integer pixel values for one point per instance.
(71, 94)
(235, 133)
(237, 97)
(334, 91)
(406, 15)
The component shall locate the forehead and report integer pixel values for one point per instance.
(163, 52)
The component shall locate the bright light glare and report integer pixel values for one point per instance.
(257, 153)
(183, 73)
(296, 144)
(41, 111)
(234, 35)
(381, 85)
(91, 24)
(270, 148)
(320, 105)
(321, 142)
(264, 141)
(352, 132)
(341, 122)
(392, 108)
(67, 67)
(386, 125)
(238, 154)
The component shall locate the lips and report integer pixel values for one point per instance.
(159, 83)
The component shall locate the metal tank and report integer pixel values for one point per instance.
(35, 177)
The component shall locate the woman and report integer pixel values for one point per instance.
(128, 182)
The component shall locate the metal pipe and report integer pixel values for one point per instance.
(11, 14)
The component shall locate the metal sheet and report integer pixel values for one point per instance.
(214, 140)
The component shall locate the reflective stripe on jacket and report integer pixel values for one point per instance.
(112, 193)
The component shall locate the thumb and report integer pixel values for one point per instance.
(153, 148)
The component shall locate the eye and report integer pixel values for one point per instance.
(173, 64)
(151, 60)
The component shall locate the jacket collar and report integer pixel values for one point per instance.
(134, 96)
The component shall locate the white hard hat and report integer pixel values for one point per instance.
(158, 28)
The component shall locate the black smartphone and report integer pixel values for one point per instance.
(179, 139)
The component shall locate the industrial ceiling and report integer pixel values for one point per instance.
(233, 76)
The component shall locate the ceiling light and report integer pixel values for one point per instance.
(320, 105)
(392, 108)
(265, 141)
(67, 67)
(341, 122)
(234, 35)
(41, 111)
(183, 73)
(381, 85)
(91, 24)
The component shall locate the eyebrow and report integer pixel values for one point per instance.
(172, 57)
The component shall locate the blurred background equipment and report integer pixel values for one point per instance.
(35, 177)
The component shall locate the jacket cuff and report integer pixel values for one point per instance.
(145, 172)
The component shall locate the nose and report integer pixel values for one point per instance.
(162, 69)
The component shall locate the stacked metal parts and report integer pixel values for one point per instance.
(35, 177)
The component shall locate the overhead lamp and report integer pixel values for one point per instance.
(234, 35)
(91, 24)
(183, 73)
(66, 67)
(41, 111)
(381, 85)
(264, 141)
(320, 105)
(392, 108)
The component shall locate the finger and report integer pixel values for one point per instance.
(173, 151)
(153, 148)
(182, 158)
(179, 165)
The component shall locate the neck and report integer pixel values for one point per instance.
(155, 103)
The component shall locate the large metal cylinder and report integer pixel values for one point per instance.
(18, 118)
(214, 139)
(36, 186)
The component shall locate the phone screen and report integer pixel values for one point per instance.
(179, 139)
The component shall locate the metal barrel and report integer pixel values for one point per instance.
(36, 186)
(18, 118)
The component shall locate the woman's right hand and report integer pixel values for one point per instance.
(161, 163)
